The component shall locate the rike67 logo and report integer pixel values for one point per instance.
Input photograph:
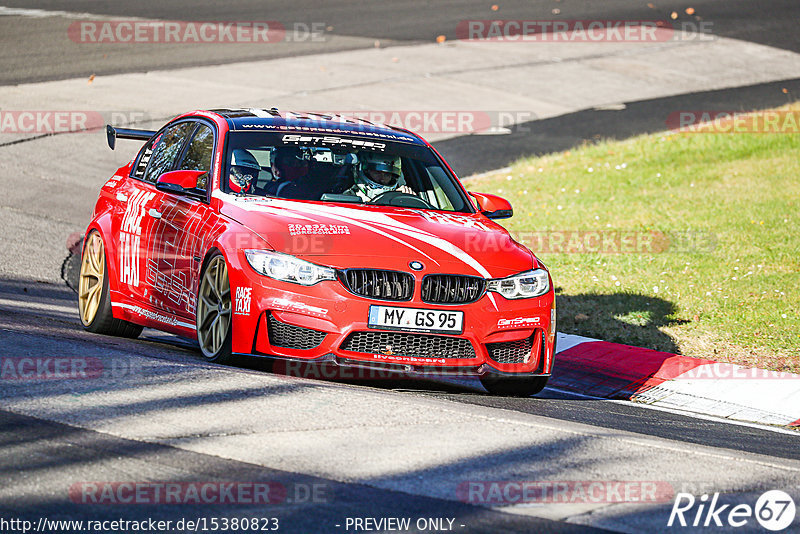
(774, 511)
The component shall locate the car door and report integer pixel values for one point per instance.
(130, 227)
(177, 241)
(137, 199)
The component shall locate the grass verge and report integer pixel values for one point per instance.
(681, 242)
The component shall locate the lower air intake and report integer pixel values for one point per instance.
(402, 344)
(292, 337)
(510, 351)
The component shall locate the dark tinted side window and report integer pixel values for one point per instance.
(198, 154)
(166, 150)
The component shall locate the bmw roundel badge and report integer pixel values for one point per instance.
(416, 265)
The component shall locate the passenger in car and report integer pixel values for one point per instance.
(288, 166)
(319, 177)
(244, 171)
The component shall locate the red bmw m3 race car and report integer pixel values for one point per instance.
(314, 238)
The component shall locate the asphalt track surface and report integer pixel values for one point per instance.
(54, 452)
(475, 154)
(551, 403)
(36, 50)
(40, 457)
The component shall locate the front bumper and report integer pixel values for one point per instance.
(342, 368)
(325, 322)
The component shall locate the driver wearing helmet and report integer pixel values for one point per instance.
(378, 174)
(244, 171)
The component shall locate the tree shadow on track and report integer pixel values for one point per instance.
(92, 475)
(71, 266)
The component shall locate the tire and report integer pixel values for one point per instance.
(213, 318)
(514, 386)
(94, 301)
(71, 266)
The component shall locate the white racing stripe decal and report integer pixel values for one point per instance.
(154, 316)
(294, 216)
(371, 229)
(280, 210)
(345, 215)
(260, 113)
(249, 205)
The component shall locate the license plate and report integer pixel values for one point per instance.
(416, 319)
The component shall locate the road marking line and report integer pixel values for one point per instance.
(43, 13)
(22, 306)
(694, 415)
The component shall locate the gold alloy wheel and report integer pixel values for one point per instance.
(214, 307)
(90, 285)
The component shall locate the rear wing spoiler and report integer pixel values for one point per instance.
(112, 134)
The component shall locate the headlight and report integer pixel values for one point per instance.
(288, 268)
(521, 286)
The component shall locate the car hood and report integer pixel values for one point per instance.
(382, 237)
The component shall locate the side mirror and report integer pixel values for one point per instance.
(492, 206)
(180, 183)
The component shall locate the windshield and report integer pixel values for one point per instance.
(334, 168)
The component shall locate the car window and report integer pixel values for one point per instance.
(339, 168)
(198, 154)
(167, 147)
